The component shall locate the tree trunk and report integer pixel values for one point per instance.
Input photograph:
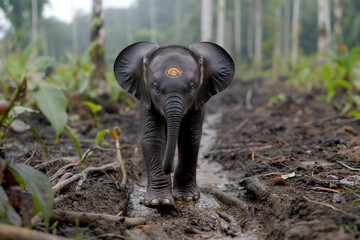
(74, 29)
(250, 30)
(98, 52)
(206, 20)
(258, 37)
(324, 29)
(286, 34)
(34, 6)
(338, 15)
(277, 48)
(220, 34)
(237, 14)
(295, 34)
(153, 21)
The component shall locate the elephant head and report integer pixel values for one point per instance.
(173, 79)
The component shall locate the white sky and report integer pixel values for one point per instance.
(64, 9)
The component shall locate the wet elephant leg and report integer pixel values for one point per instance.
(152, 141)
(185, 187)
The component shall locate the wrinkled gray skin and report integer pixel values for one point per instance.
(173, 109)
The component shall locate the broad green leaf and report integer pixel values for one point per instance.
(39, 186)
(355, 114)
(7, 212)
(356, 99)
(95, 108)
(52, 103)
(99, 136)
(39, 63)
(73, 136)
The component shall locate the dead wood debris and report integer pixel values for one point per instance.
(10, 232)
(227, 199)
(88, 218)
(84, 175)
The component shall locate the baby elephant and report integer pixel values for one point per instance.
(173, 83)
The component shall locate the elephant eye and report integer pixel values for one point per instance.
(191, 87)
(156, 88)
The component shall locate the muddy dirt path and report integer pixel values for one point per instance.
(210, 174)
(247, 146)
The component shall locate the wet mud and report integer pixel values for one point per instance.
(248, 147)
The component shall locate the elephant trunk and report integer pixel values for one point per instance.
(173, 109)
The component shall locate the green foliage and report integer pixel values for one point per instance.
(281, 97)
(356, 194)
(338, 78)
(75, 139)
(39, 186)
(95, 108)
(52, 103)
(22, 176)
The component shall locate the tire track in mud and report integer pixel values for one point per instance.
(209, 210)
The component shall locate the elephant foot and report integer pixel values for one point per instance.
(186, 193)
(155, 198)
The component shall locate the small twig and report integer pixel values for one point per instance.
(32, 154)
(62, 170)
(87, 218)
(240, 150)
(19, 233)
(327, 189)
(324, 204)
(242, 124)
(86, 171)
(47, 163)
(66, 176)
(248, 99)
(351, 168)
(121, 162)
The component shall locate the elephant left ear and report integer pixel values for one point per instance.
(218, 70)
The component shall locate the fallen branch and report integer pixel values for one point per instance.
(227, 199)
(88, 218)
(324, 204)
(85, 172)
(10, 232)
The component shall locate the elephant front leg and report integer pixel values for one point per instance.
(152, 141)
(185, 187)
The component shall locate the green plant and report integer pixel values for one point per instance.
(27, 77)
(280, 97)
(17, 207)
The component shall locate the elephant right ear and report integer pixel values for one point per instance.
(129, 70)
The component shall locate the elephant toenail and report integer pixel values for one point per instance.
(179, 199)
(189, 199)
(154, 202)
(197, 197)
(166, 202)
(146, 203)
